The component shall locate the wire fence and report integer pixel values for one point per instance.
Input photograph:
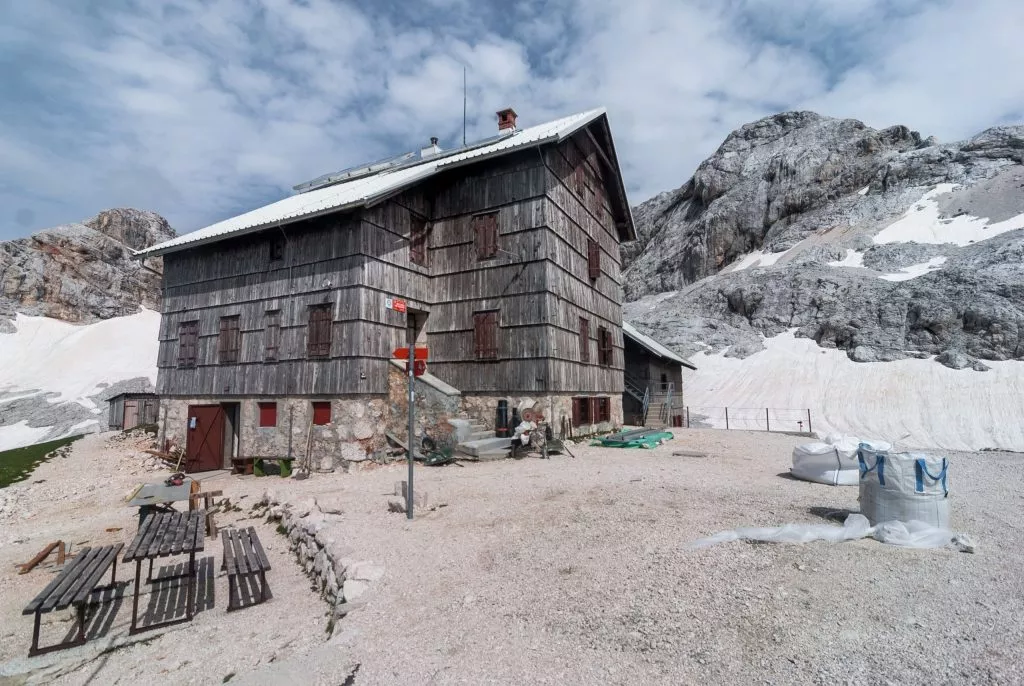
(781, 419)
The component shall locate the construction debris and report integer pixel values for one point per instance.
(43, 554)
(637, 438)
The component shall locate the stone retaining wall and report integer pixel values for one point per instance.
(341, 578)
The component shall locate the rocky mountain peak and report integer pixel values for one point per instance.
(82, 272)
(137, 229)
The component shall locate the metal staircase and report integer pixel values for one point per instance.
(641, 390)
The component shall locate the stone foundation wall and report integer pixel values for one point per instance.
(356, 430)
(435, 404)
(555, 408)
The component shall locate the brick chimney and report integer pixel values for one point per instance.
(507, 119)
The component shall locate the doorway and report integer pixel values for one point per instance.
(204, 444)
(416, 327)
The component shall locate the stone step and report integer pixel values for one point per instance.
(493, 455)
(479, 435)
(476, 448)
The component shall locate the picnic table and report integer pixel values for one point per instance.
(161, 535)
(158, 497)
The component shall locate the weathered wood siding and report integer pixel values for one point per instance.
(549, 204)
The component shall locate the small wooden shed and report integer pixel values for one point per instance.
(129, 410)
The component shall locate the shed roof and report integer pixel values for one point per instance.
(366, 190)
(653, 346)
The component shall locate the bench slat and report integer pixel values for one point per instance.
(229, 553)
(99, 562)
(250, 557)
(167, 540)
(68, 570)
(69, 579)
(193, 541)
(109, 557)
(258, 549)
(179, 538)
(153, 536)
(240, 560)
(129, 554)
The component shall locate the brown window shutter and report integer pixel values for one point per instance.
(319, 334)
(593, 259)
(188, 343)
(584, 340)
(485, 235)
(485, 335)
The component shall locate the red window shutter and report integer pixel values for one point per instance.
(321, 413)
(593, 259)
(268, 414)
(584, 340)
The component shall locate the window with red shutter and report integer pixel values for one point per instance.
(604, 410)
(268, 414)
(485, 335)
(584, 340)
(188, 342)
(321, 413)
(229, 340)
(593, 259)
(485, 235)
(582, 411)
(272, 335)
(318, 336)
(418, 241)
(604, 347)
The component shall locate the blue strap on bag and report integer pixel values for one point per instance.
(879, 465)
(921, 470)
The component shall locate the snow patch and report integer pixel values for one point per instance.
(922, 224)
(864, 191)
(916, 270)
(21, 434)
(930, 405)
(758, 258)
(854, 258)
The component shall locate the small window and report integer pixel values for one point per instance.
(268, 414)
(604, 347)
(584, 339)
(418, 241)
(229, 340)
(664, 382)
(593, 259)
(581, 411)
(188, 340)
(604, 410)
(318, 335)
(321, 413)
(485, 230)
(276, 249)
(272, 335)
(485, 335)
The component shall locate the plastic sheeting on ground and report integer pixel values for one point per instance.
(911, 534)
(833, 462)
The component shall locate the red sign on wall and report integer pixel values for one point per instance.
(396, 304)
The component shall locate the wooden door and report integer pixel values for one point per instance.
(131, 414)
(204, 448)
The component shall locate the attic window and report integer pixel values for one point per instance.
(276, 249)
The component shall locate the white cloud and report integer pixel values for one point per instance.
(200, 110)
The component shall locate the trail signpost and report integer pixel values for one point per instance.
(416, 365)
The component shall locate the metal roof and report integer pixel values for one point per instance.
(368, 189)
(652, 345)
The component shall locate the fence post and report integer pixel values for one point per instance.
(809, 429)
(767, 421)
(687, 416)
(727, 419)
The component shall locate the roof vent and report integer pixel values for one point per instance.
(431, 150)
(507, 120)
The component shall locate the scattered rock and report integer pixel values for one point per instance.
(353, 590)
(365, 571)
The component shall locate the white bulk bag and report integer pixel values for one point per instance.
(822, 463)
(903, 487)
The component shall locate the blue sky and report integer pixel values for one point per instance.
(201, 109)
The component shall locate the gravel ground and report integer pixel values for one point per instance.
(575, 571)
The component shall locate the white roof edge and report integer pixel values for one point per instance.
(653, 345)
(367, 190)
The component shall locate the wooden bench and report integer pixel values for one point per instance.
(242, 465)
(72, 587)
(244, 558)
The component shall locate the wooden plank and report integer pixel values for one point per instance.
(109, 557)
(41, 555)
(151, 547)
(241, 563)
(70, 570)
(170, 531)
(258, 548)
(229, 553)
(251, 560)
(70, 580)
(136, 542)
(179, 536)
(195, 534)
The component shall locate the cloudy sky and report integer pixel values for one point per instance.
(200, 109)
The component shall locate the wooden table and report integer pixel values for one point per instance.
(161, 535)
(157, 497)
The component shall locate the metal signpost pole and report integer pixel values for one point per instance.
(409, 364)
